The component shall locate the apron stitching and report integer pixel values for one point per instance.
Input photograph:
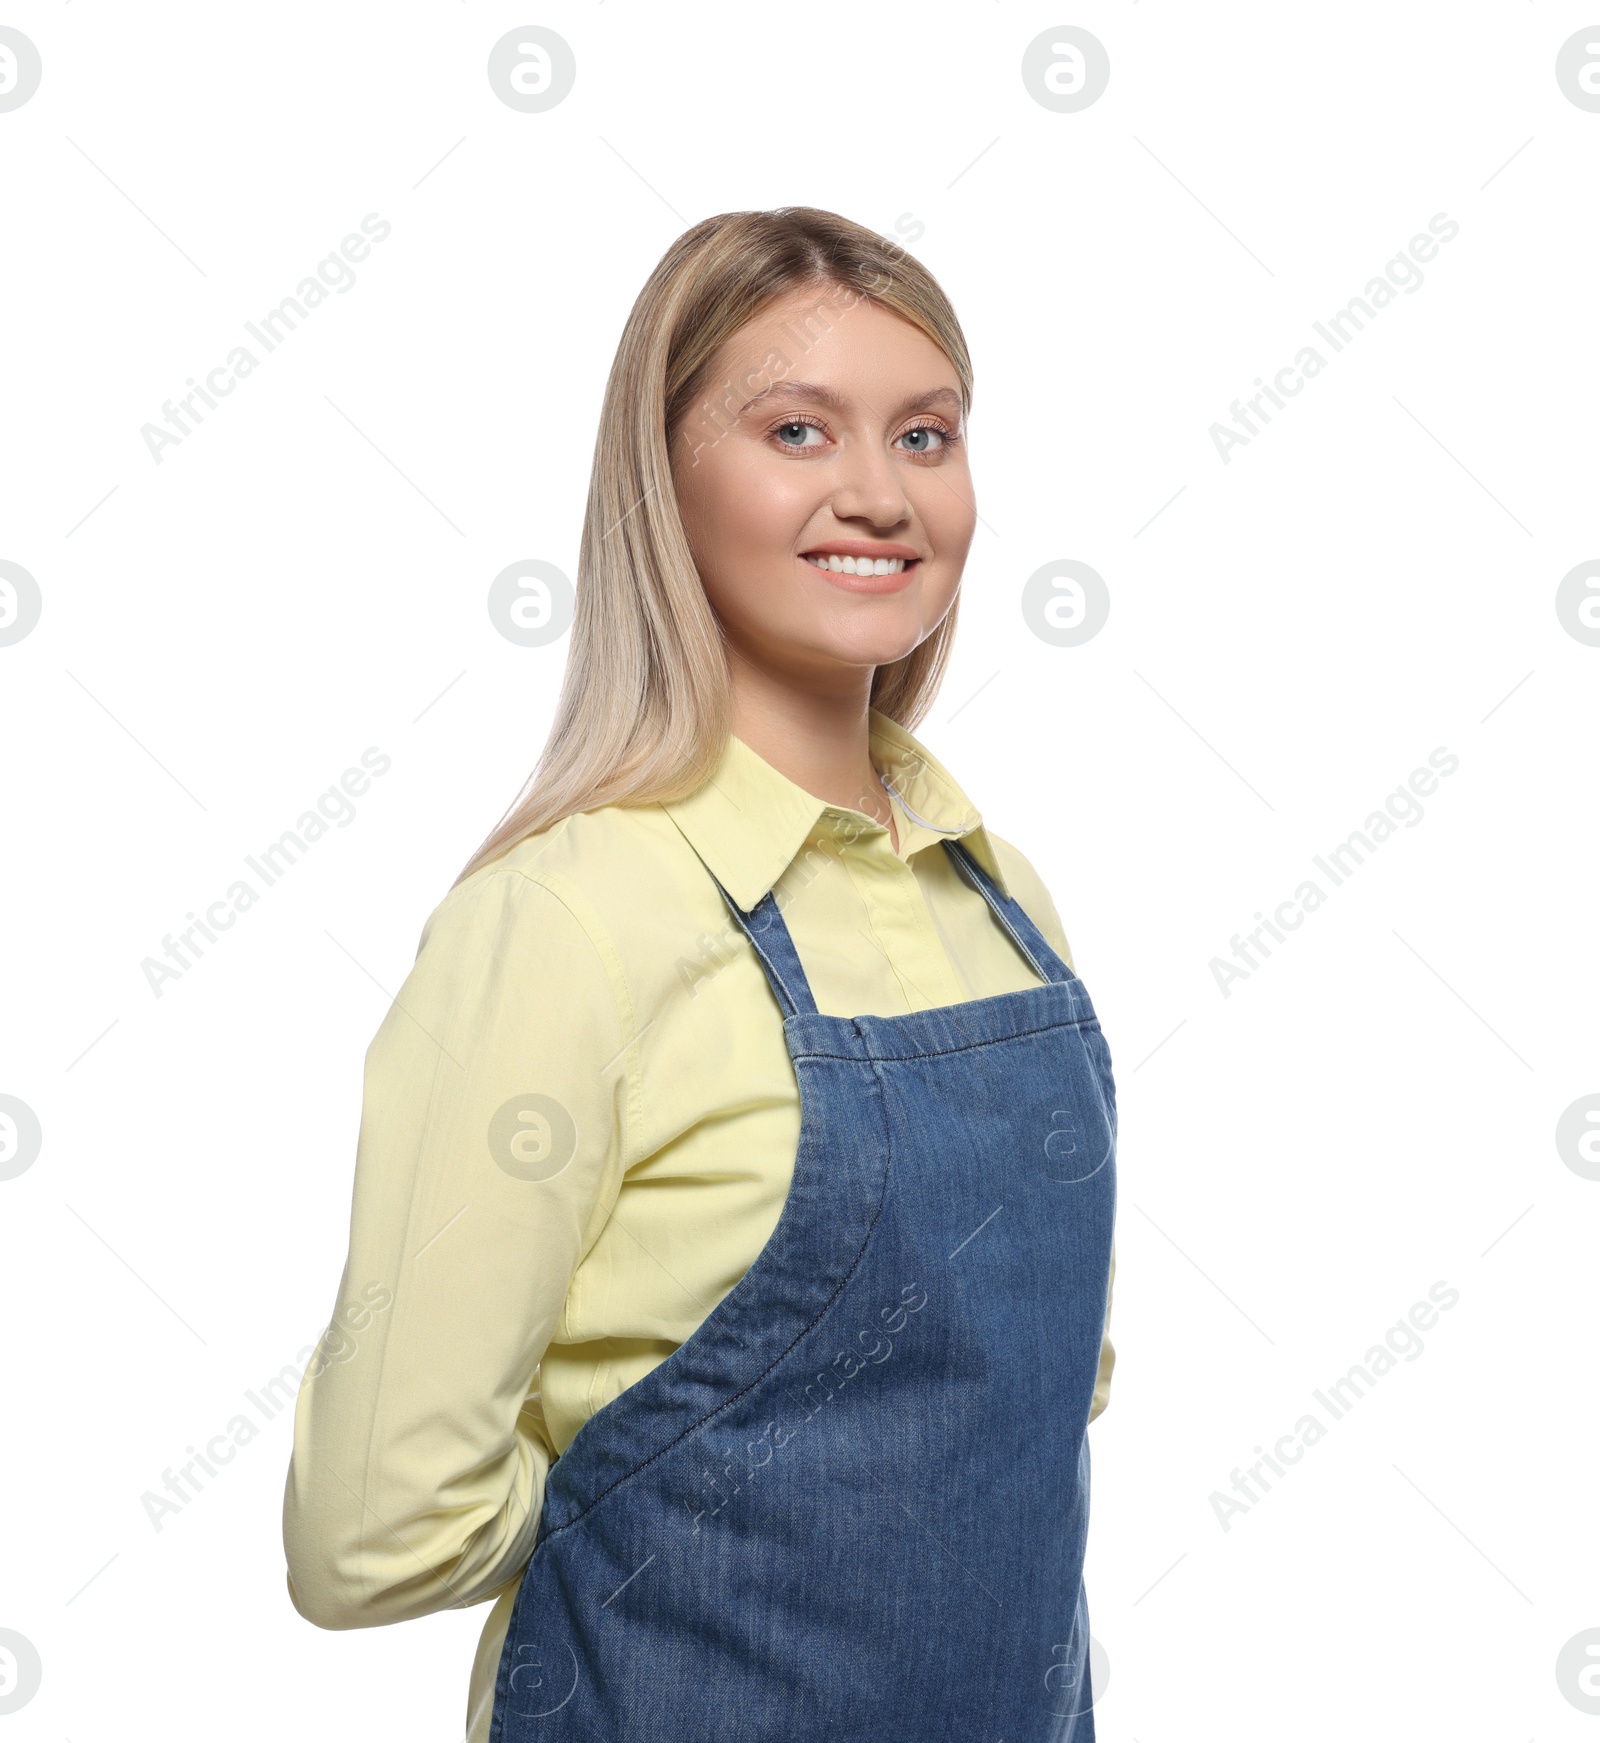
(1088, 1025)
(783, 1355)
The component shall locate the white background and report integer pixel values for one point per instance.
(1291, 633)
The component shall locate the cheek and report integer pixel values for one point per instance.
(946, 510)
(742, 537)
(747, 511)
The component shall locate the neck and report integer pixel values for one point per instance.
(817, 739)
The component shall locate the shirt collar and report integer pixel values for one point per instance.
(748, 821)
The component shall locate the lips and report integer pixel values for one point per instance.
(865, 560)
(873, 548)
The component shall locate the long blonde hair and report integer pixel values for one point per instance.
(646, 705)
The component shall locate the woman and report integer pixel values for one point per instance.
(736, 1164)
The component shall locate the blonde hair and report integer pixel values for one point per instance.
(645, 705)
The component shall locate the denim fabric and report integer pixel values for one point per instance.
(854, 1503)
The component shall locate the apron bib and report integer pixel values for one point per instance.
(853, 1504)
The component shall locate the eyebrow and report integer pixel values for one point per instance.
(835, 401)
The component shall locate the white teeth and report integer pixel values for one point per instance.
(859, 565)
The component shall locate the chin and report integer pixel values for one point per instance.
(876, 650)
(888, 629)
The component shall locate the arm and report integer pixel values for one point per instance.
(420, 1451)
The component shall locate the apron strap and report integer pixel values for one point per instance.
(1027, 937)
(769, 937)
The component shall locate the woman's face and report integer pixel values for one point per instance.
(831, 429)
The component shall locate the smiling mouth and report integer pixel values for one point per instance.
(837, 565)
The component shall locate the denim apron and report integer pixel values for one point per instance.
(853, 1504)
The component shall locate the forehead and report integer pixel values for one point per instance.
(829, 337)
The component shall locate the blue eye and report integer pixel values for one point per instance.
(793, 433)
(924, 431)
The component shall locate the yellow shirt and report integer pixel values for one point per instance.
(515, 1264)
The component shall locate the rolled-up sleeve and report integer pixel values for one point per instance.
(488, 1158)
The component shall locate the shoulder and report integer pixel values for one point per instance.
(1032, 894)
(589, 855)
(605, 866)
(497, 901)
(623, 879)
(596, 851)
(498, 943)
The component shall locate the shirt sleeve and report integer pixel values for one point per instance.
(1108, 1354)
(489, 1155)
(1029, 889)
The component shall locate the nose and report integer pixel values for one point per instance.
(867, 485)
